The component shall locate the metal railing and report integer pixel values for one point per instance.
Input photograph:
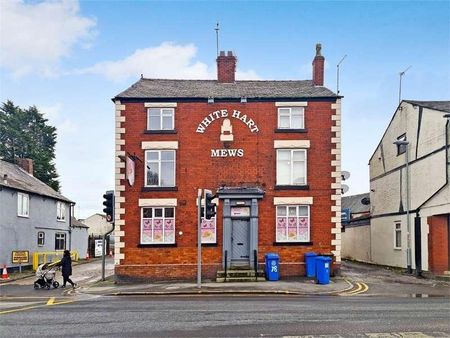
(226, 264)
(41, 257)
(255, 264)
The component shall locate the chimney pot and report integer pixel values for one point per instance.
(27, 164)
(318, 66)
(226, 67)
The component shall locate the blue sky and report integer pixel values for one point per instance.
(70, 58)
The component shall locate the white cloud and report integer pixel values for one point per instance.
(36, 36)
(168, 60)
(164, 61)
(55, 117)
(247, 75)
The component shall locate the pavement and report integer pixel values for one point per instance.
(357, 279)
(298, 286)
(28, 273)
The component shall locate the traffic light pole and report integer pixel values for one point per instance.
(104, 247)
(109, 204)
(199, 239)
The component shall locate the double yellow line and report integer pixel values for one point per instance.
(50, 302)
(361, 287)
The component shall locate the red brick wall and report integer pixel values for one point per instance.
(318, 70)
(226, 68)
(196, 169)
(438, 244)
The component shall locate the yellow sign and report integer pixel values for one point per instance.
(20, 257)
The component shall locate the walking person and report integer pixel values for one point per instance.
(66, 269)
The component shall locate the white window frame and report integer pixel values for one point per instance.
(23, 205)
(152, 242)
(397, 229)
(41, 238)
(281, 113)
(291, 179)
(159, 167)
(297, 206)
(60, 211)
(58, 237)
(163, 112)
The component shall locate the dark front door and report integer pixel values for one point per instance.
(240, 242)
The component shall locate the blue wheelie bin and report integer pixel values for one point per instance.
(323, 265)
(310, 262)
(272, 266)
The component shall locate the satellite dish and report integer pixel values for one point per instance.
(344, 188)
(365, 201)
(345, 175)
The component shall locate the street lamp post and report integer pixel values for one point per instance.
(408, 196)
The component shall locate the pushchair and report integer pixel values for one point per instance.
(45, 275)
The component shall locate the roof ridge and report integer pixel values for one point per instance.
(16, 176)
(214, 80)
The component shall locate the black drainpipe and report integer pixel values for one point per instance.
(70, 225)
(417, 219)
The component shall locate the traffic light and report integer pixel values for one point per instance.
(109, 205)
(210, 207)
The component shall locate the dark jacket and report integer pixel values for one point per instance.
(66, 266)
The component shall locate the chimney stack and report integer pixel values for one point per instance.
(226, 67)
(27, 165)
(318, 66)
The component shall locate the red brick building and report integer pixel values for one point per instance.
(269, 150)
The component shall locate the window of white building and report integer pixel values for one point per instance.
(291, 167)
(23, 205)
(60, 241)
(158, 225)
(40, 238)
(160, 118)
(60, 211)
(293, 223)
(160, 169)
(398, 235)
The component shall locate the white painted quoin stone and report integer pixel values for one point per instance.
(119, 189)
(336, 177)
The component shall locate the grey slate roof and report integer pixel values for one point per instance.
(161, 88)
(19, 179)
(436, 105)
(77, 223)
(354, 203)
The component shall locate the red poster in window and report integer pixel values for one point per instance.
(281, 229)
(303, 229)
(158, 230)
(303, 221)
(169, 230)
(292, 228)
(208, 230)
(130, 170)
(146, 230)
